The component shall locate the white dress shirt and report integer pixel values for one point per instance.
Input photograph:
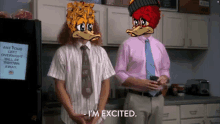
(67, 65)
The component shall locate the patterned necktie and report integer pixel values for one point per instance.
(86, 76)
(150, 68)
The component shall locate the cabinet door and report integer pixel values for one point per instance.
(174, 29)
(198, 30)
(213, 110)
(170, 112)
(193, 121)
(52, 14)
(100, 17)
(213, 121)
(118, 22)
(158, 30)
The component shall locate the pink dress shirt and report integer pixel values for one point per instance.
(131, 59)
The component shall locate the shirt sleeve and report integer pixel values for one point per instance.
(57, 67)
(165, 64)
(122, 62)
(108, 69)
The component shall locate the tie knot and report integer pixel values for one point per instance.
(83, 47)
(147, 40)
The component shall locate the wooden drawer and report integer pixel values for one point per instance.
(170, 112)
(213, 110)
(170, 122)
(192, 111)
(213, 121)
(193, 121)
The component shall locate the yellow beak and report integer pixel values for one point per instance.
(87, 35)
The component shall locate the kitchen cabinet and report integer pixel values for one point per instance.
(192, 114)
(213, 121)
(118, 22)
(174, 29)
(186, 31)
(170, 112)
(158, 30)
(192, 111)
(175, 111)
(197, 31)
(213, 110)
(170, 122)
(193, 121)
(100, 17)
(52, 14)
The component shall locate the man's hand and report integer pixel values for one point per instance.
(151, 85)
(163, 80)
(95, 120)
(78, 118)
(92, 120)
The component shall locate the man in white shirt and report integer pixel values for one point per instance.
(81, 69)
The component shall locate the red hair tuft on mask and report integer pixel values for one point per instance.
(149, 13)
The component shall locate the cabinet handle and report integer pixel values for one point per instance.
(218, 111)
(193, 112)
(166, 115)
(183, 41)
(190, 40)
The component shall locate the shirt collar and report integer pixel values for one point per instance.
(143, 38)
(88, 44)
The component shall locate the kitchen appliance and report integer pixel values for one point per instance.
(194, 6)
(20, 70)
(197, 87)
(169, 4)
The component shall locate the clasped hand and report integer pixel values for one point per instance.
(156, 85)
(84, 119)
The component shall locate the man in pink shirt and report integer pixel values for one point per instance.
(140, 58)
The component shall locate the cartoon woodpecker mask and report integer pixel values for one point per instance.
(145, 16)
(80, 19)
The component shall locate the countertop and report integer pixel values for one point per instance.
(170, 100)
(189, 99)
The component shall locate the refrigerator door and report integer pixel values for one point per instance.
(16, 98)
(24, 32)
(34, 106)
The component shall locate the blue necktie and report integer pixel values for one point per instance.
(150, 68)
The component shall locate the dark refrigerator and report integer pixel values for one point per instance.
(20, 68)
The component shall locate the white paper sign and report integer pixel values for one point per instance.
(13, 60)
